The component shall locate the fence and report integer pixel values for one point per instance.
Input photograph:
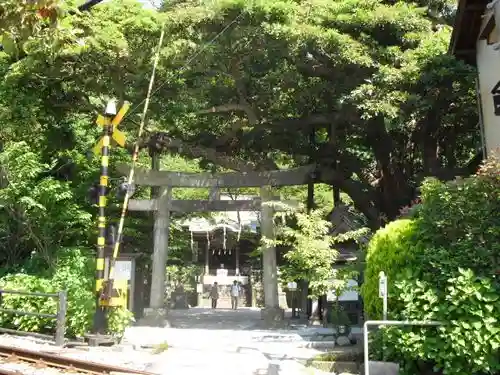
(60, 316)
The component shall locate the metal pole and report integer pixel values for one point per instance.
(100, 311)
(389, 323)
(384, 314)
(61, 318)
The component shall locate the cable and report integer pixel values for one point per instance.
(134, 161)
(194, 56)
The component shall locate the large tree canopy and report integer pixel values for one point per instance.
(362, 88)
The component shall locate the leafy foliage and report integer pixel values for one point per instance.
(401, 108)
(451, 276)
(390, 250)
(469, 306)
(264, 76)
(310, 254)
(73, 272)
(39, 213)
(119, 319)
(183, 276)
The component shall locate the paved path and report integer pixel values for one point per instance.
(215, 319)
(218, 342)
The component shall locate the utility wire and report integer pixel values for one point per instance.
(135, 156)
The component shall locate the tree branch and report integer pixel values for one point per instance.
(232, 107)
(355, 190)
(161, 141)
(447, 174)
(317, 119)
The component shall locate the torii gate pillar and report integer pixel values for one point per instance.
(271, 311)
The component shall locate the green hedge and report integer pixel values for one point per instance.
(73, 271)
(390, 250)
(444, 265)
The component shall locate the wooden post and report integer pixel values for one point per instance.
(160, 251)
(62, 308)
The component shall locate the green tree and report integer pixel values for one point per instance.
(38, 212)
(375, 75)
(309, 249)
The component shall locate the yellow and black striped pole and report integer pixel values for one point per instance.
(100, 313)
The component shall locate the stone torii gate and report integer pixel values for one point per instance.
(163, 205)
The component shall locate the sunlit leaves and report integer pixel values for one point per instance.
(444, 265)
(38, 213)
(311, 253)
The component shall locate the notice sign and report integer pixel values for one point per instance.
(382, 285)
(123, 270)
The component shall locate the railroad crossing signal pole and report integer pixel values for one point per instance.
(109, 123)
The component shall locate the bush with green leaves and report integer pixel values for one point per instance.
(73, 271)
(34, 304)
(450, 275)
(38, 213)
(469, 307)
(389, 250)
(310, 246)
(119, 318)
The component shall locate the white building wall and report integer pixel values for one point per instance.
(488, 64)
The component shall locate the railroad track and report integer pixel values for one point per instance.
(43, 360)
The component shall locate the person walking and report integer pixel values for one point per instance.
(235, 293)
(214, 294)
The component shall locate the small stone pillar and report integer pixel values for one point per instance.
(271, 311)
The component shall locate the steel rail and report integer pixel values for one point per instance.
(62, 362)
(10, 372)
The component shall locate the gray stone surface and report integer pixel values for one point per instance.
(272, 314)
(154, 318)
(223, 341)
(382, 368)
(343, 341)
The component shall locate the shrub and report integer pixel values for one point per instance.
(469, 341)
(43, 305)
(73, 272)
(119, 319)
(459, 226)
(390, 250)
(450, 275)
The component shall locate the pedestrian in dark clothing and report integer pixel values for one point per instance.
(214, 295)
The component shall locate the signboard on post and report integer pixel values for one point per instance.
(382, 285)
(382, 292)
(123, 270)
